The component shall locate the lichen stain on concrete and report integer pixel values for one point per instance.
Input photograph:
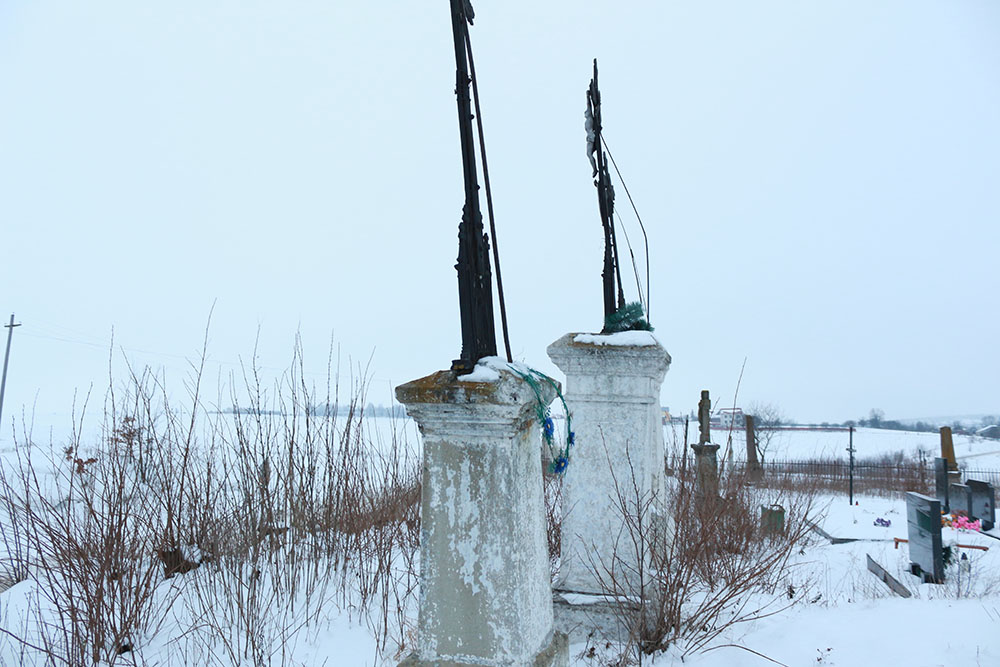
(444, 387)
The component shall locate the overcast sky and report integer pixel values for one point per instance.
(818, 180)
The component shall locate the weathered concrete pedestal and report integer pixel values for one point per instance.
(485, 594)
(706, 458)
(613, 393)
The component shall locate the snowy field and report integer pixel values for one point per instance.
(847, 616)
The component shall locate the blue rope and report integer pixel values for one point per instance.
(560, 458)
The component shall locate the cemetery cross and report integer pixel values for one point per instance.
(475, 290)
(704, 418)
(611, 275)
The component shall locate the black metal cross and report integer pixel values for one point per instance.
(475, 288)
(611, 275)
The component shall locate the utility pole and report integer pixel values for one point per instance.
(6, 358)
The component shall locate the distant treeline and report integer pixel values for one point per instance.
(893, 425)
(329, 410)
(957, 428)
(876, 419)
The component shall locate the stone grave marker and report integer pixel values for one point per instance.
(983, 503)
(960, 496)
(941, 482)
(923, 523)
(772, 519)
(948, 453)
(705, 453)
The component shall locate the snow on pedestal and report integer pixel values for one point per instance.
(485, 594)
(613, 393)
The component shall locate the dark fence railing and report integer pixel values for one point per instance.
(835, 475)
(879, 477)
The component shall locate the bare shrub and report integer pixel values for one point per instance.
(767, 417)
(552, 492)
(685, 578)
(89, 543)
(268, 519)
(317, 510)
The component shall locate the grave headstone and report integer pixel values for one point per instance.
(772, 519)
(706, 454)
(983, 503)
(923, 523)
(941, 482)
(960, 497)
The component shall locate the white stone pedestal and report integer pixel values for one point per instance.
(613, 394)
(485, 593)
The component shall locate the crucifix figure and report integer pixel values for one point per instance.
(614, 297)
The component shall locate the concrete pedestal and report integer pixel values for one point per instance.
(706, 471)
(613, 393)
(485, 595)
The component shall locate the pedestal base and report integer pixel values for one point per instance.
(485, 594)
(613, 392)
(555, 654)
(595, 618)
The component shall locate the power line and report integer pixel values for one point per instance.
(168, 355)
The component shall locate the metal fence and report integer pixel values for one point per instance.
(835, 475)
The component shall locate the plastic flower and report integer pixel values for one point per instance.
(548, 428)
(959, 521)
(571, 438)
(963, 523)
(559, 464)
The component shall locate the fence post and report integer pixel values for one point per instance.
(850, 451)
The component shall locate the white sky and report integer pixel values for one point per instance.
(818, 179)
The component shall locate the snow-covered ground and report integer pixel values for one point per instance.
(849, 618)
(855, 621)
